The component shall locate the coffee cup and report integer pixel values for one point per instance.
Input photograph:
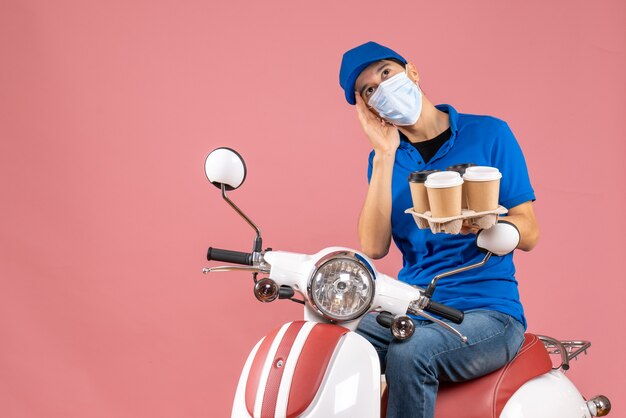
(483, 187)
(444, 190)
(460, 168)
(418, 190)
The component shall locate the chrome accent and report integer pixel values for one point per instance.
(416, 310)
(266, 290)
(243, 215)
(461, 269)
(422, 302)
(568, 350)
(555, 347)
(352, 256)
(599, 406)
(402, 327)
(575, 348)
(258, 269)
(366, 263)
(258, 258)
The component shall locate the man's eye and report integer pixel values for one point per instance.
(385, 72)
(369, 91)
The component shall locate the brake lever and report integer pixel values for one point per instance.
(417, 311)
(216, 269)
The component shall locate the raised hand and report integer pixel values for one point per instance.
(383, 135)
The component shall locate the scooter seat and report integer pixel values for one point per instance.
(486, 396)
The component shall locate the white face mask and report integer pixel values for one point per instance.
(398, 100)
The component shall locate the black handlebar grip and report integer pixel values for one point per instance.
(385, 319)
(228, 256)
(444, 311)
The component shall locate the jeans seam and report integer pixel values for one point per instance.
(458, 348)
(508, 322)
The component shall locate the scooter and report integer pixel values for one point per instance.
(320, 367)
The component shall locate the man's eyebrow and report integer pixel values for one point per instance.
(378, 70)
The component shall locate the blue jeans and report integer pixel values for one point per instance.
(414, 367)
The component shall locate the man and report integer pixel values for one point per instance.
(408, 133)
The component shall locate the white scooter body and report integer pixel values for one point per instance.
(351, 382)
(350, 386)
(549, 395)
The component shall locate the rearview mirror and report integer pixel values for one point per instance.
(224, 166)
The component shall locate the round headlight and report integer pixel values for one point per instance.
(341, 289)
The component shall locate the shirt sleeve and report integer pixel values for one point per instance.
(515, 187)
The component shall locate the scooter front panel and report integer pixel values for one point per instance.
(351, 385)
(307, 369)
(311, 367)
(277, 368)
(239, 405)
(260, 370)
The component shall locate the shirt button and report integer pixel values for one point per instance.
(419, 162)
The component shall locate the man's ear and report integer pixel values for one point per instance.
(412, 72)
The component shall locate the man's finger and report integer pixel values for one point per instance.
(361, 114)
(359, 103)
(367, 114)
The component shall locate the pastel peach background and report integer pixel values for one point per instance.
(108, 108)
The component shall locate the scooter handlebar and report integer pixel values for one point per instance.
(445, 311)
(228, 256)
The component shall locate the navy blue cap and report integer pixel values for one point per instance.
(357, 59)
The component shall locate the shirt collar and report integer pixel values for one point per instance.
(454, 127)
(454, 116)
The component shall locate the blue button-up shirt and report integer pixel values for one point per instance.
(483, 140)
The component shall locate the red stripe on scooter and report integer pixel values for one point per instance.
(268, 408)
(311, 367)
(254, 377)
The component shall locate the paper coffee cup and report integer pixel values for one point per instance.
(483, 187)
(460, 168)
(444, 193)
(418, 190)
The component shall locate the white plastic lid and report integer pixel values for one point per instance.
(443, 179)
(482, 173)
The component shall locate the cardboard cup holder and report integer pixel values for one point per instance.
(453, 224)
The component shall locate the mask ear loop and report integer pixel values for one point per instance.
(406, 68)
(406, 71)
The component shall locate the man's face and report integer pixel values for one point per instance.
(374, 74)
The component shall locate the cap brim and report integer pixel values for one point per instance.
(349, 91)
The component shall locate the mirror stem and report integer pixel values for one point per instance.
(258, 241)
(431, 287)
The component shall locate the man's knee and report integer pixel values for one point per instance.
(407, 361)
